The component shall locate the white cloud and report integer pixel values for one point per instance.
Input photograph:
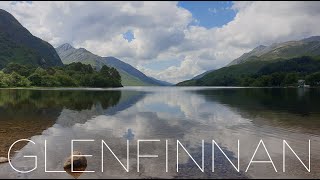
(162, 30)
(188, 67)
(213, 10)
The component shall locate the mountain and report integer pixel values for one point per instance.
(286, 50)
(277, 73)
(255, 66)
(69, 54)
(311, 39)
(18, 45)
(254, 53)
(118, 64)
(163, 83)
(202, 74)
(224, 76)
(130, 76)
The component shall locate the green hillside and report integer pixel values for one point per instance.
(254, 68)
(18, 45)
(263, 73)
(128, 80)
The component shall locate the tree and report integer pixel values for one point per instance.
(277, 79)
(313, 79)
(72, 75)
(115, 74)
(50, 71)
(49, 81)
(105, 70)
(16, 80)
(247, 81)
(291, 79)
(79, 67)
(100, 81)
(3, 80)
(18, 68)
(112, 75)
(262, 81)
(86, 80)
(40, 71)
(66, 81)
(35, 79)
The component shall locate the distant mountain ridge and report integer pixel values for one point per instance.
(286, 50)
(289, 54)
(18, 45)
(130, 76)
(202, 74)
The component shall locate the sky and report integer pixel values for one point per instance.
(171, 41)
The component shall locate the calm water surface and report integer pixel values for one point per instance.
(162, 113)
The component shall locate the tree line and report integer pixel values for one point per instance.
(71, 75)
(282, 73)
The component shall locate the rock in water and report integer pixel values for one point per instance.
(79, 164)
(3, 160)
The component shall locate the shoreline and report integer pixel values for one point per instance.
(125, 87)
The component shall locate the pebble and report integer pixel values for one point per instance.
(3, 160)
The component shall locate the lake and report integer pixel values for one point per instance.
(162, 115)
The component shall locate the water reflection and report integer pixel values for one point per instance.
(25, 113)
(288, 108)
(185, 114)
(129, 135)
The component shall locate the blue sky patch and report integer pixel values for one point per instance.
(129, 36)
(210, 13)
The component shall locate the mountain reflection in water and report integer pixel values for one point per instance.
(165, 113)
